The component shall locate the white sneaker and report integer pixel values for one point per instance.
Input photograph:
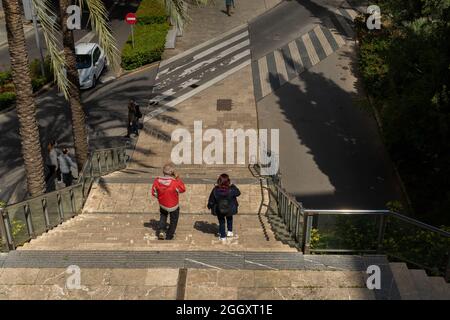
(222, 239)
(230, 234)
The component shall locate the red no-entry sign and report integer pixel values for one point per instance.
(131, 18)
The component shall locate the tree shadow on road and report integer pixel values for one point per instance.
(338, 153)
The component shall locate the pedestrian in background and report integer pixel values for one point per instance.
(167, 189)
(52, 166)
(132, 119)
(138, 114)
(223, 204)
(66, 164)
(228, 4)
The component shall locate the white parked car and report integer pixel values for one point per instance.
(91, 61)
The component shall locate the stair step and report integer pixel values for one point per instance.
(441, 288)
(404, 281)
(421, 281)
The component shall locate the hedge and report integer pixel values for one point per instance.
(151, 12)
(7, 90)
(149, 45)
(7, 99)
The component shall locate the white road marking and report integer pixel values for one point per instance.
(203, 264)
(223, 54)
(295, 54)
(202, 45)
(323, 41)
(344, 24)
(310, 49)
(264, 77)
(352, 13)
(281, 67)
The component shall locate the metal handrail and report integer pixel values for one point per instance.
(6, 229)
(286, 202)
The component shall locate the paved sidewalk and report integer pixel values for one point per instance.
(154, 146)
(210, 21)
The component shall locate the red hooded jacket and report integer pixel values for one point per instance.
(166, 190)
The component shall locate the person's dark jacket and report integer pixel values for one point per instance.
(217, 192)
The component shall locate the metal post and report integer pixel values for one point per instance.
(132, 35)
(447, 271)
(307, 233)
(29, 220)
(60, 208)
(38, 41)
(45, 209)
(6, 239)
(72, 201)
(381, 230)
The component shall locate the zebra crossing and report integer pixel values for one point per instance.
(276, 68)
(185, 75)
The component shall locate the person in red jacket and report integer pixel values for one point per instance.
(167, 189)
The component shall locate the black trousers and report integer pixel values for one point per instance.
(173, 221)
(50, 178)
(67, 179)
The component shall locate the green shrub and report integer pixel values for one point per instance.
(149, 45)
(37, 79)
(7, 99)
(151, 12)
(5, 77)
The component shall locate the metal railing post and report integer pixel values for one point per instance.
(60, 207)
(99, 165)
(381, 231)
(7, 240)
(46, 217)
(105, 154)
(72, 201)
(307, 233)
(29, 220)
(447, 271)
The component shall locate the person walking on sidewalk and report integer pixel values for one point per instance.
(228, 4)
(223, 204)
(52, 166)
(66, 164)
(167, 190)
(132, 119)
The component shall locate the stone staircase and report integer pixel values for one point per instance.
(415, 284)
(119, 256)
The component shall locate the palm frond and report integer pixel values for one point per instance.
(99, 21)
(51, 34)
(177, 11)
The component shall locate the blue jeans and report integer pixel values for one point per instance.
(222, 231)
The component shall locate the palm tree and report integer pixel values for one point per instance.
(25, 107)
(68, 81)
(78, 115)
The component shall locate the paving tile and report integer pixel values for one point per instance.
(209, 293)
(19, 276)
(202, 277)
(150, 293)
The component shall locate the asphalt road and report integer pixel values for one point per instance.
(117, 9)
(106, 110)
(331, 154)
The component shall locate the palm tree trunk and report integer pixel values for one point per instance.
(25, 107)
(78, 115)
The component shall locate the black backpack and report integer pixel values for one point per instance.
(223, 205)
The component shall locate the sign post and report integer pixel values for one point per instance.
(131, 19)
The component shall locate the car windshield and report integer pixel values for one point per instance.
(83, 61)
